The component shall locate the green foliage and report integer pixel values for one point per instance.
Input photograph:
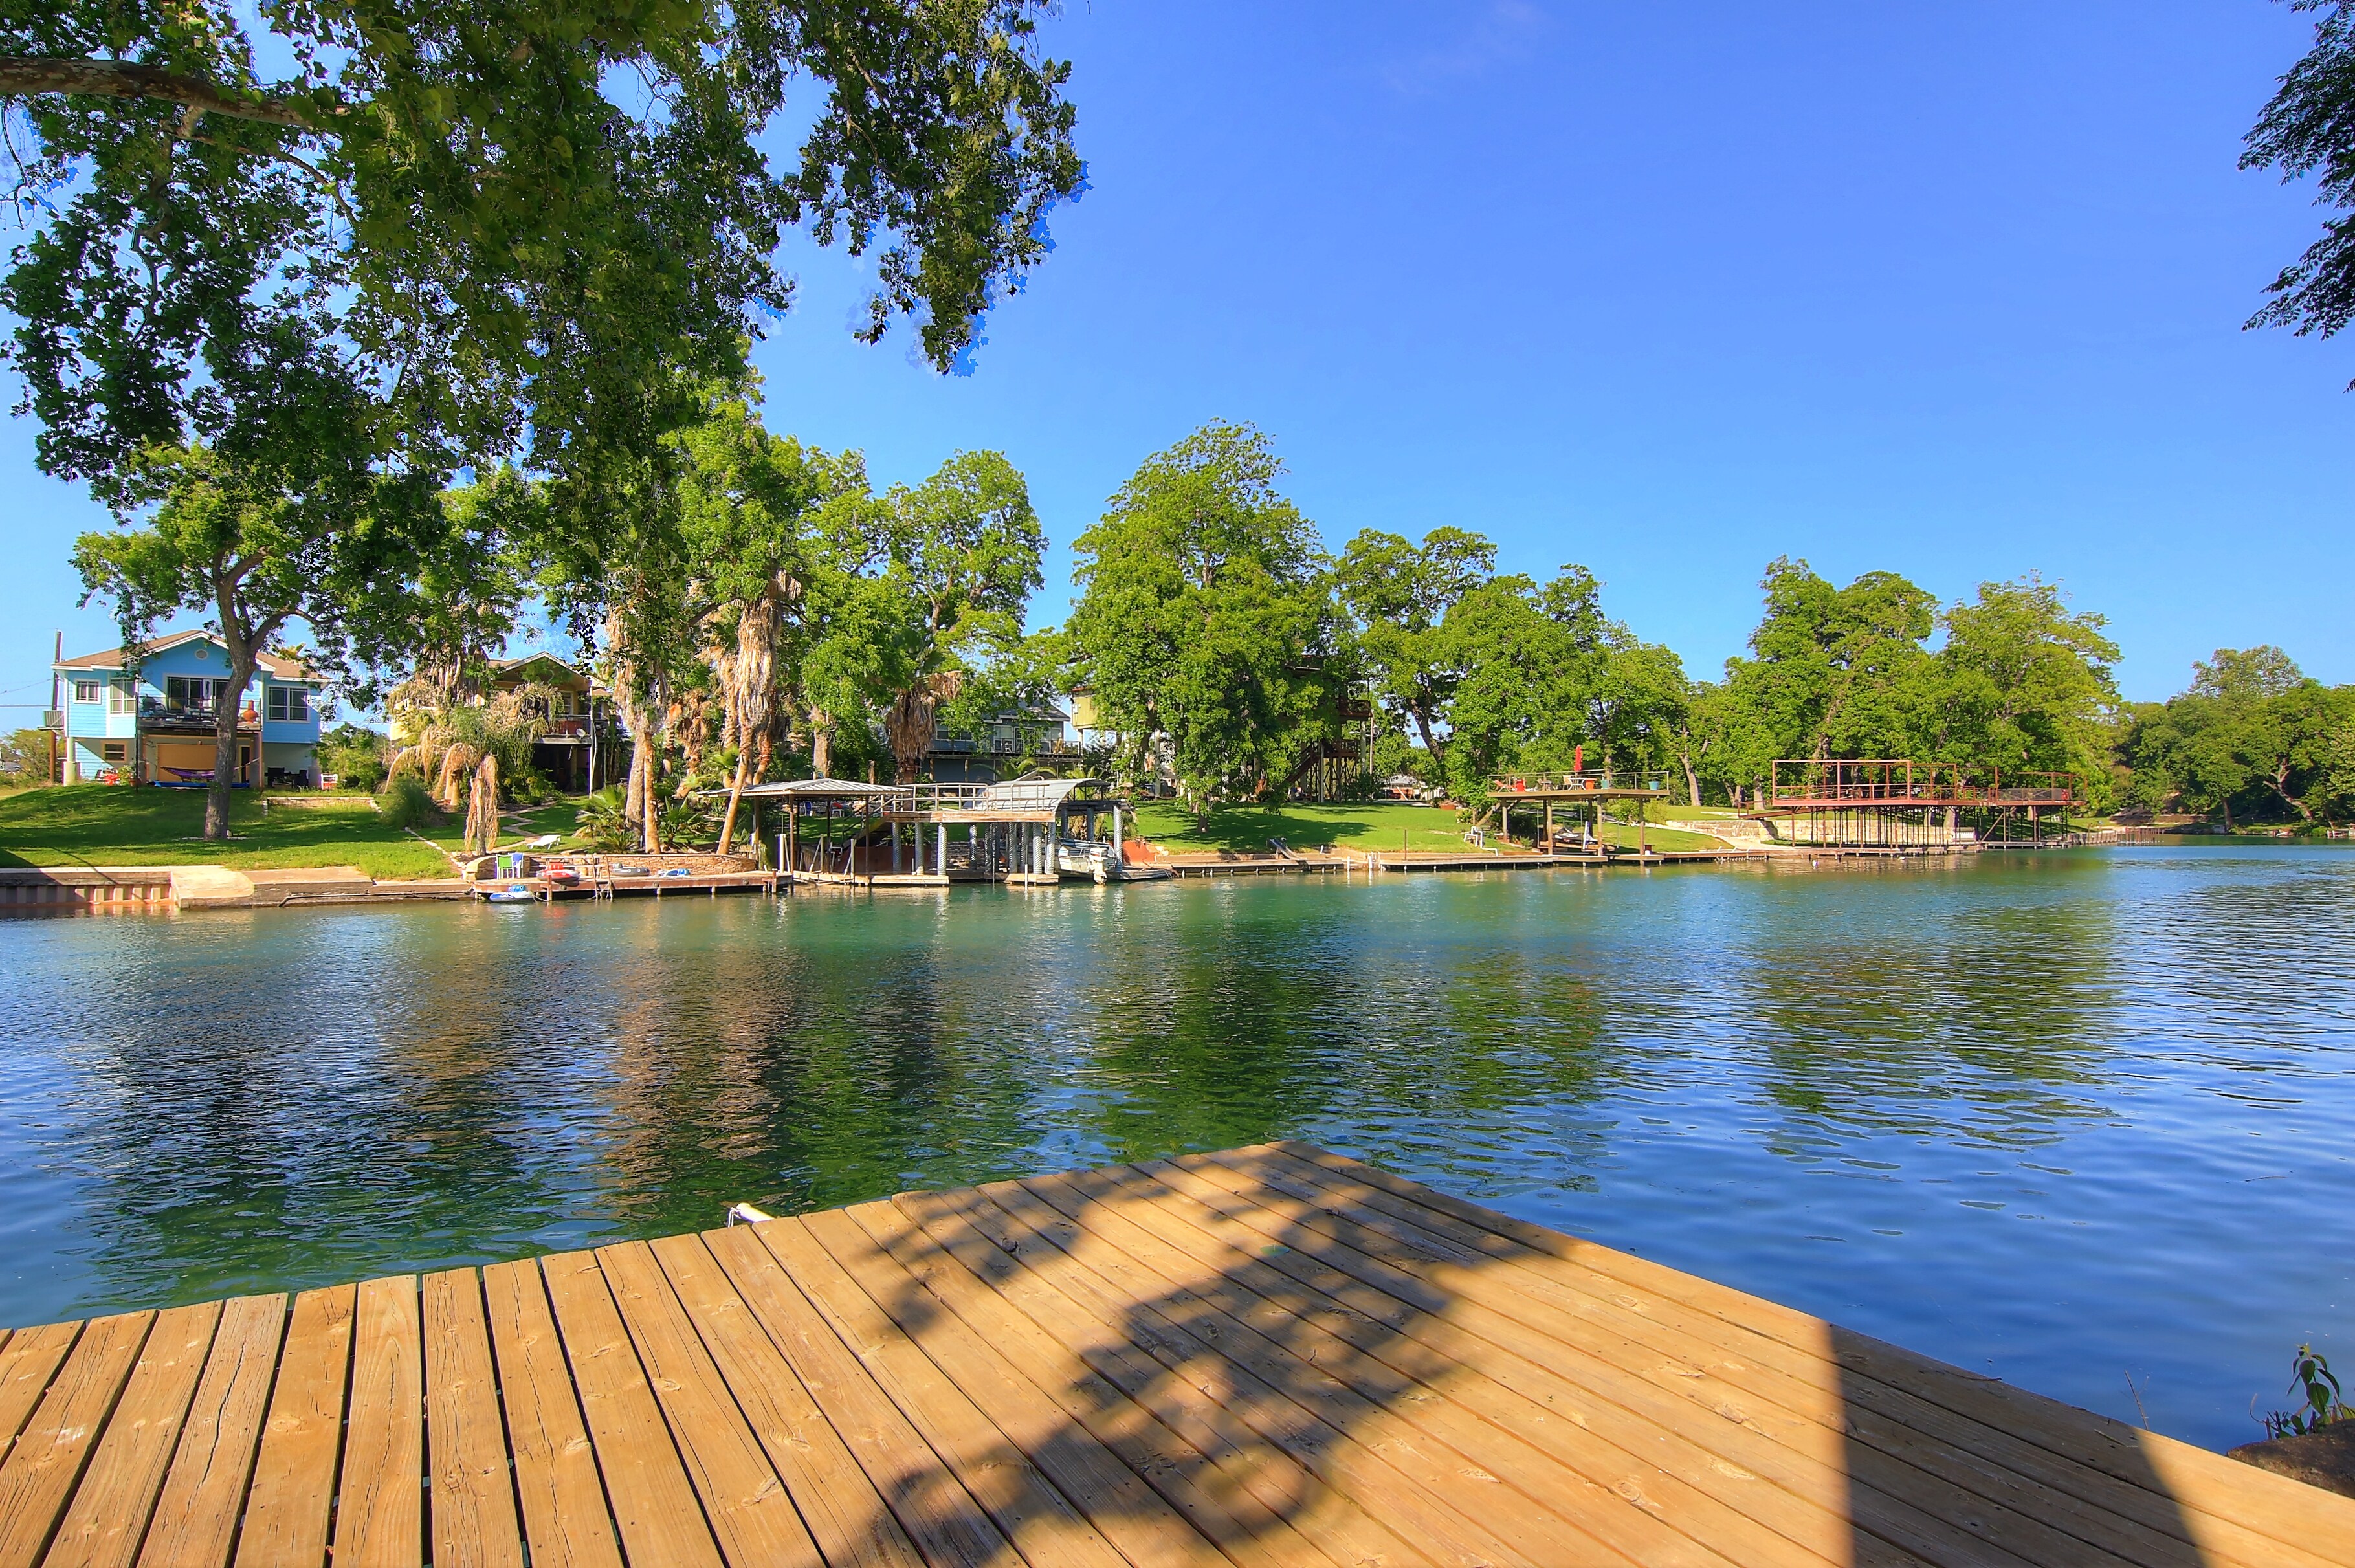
(2020, 684)
(357, 756)
(1399, 595)
(1205, 609)
(1545, 681)
(603, 821)
(25, 756)
(689, 822)
(2306, 130)
(480, 226)
(260, 531)
(2025, 686)
(2259, 672)
(2325, 1405)
(2252, 737)
(1833, 672)
(405, 804)
(1366, 826)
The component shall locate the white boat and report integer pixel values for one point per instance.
(1102, 862)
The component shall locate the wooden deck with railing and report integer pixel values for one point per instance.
(1265, 1357)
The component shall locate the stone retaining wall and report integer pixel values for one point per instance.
(59, 890)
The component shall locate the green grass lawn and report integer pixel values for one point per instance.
(107, 825)
(1387, 826)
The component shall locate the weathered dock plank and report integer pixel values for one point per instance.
(1266, 1357)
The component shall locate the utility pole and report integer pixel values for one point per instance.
(57, 707)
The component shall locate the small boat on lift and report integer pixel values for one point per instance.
(512, 893)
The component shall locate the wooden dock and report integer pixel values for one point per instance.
(1266, 1357)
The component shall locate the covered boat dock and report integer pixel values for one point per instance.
(1026, 831)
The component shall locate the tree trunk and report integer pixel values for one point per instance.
(650, 818)
(735, 795)
(2281, 777)
(241, 657)
(1692, 779)
(821, 744)
(1430, 745)
(216, 796)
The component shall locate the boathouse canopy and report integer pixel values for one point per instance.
(824, 789)
(1036, 798)
(1032, 795)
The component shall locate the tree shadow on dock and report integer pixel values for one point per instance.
(1269, 1357)
(1273, 1356)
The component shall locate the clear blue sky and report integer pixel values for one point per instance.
(1950, 290)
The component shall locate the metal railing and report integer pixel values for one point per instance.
(1897, 780)
(1524, 784)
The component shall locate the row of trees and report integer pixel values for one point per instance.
(1213, 628)
(2254, 737)
(764, 612)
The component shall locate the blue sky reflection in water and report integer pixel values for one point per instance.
(2066, 1121)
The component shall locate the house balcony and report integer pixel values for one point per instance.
(164, 719)
(1000, 746)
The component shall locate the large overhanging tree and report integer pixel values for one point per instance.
(497, 229)
(510, 187)
(2308, 129)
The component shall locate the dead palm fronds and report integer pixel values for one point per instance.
(482, 810)
(748, 681)
(458, 760)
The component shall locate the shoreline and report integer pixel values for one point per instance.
(53, 891)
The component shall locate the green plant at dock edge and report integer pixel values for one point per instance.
(2324, 1402)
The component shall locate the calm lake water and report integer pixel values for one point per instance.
(2072, 1120)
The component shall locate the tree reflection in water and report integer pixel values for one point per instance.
(2114, 1043)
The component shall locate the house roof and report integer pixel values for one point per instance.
(280, 667)
(508, 667)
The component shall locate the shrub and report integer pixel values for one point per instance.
(25, 757)
(2310, 1374)
(603, 826)
(405, 803)
(357, 756)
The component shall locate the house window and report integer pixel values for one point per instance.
(122, 697)
(289, 704)
(86, 690)
(192, 692)
(113, 751)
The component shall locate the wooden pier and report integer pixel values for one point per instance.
(1266, 1357)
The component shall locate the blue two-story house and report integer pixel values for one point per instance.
(157, 727)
